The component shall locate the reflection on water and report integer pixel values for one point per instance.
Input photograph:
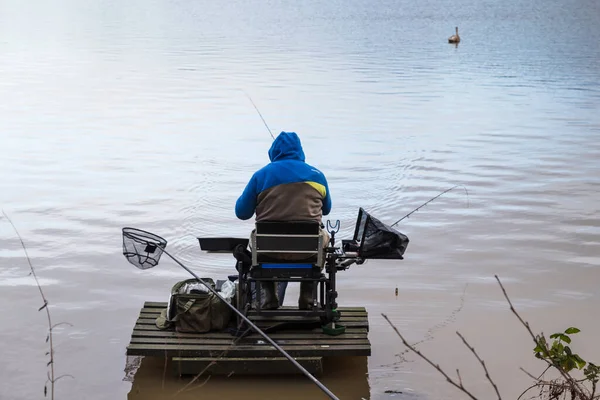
(120, 114)
(346, 377)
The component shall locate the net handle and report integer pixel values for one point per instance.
(258, 330)
(134, 234)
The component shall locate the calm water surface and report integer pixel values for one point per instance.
(118, 114)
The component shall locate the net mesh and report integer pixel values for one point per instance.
(142, 249)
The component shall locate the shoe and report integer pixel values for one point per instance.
(304, 306)
(270, 301)
(271, 306)
(305, 301)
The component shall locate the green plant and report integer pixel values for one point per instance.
(560, 356)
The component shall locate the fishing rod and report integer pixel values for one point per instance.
(259, 114)
(430, 200)
(260, 332)
(407, 215)
(151, 243)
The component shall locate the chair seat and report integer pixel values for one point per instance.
(273, 259)
(289, 266)
(284, 271)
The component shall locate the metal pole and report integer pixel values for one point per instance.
(260, 332)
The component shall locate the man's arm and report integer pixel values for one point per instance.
(246, 203)
(326, 200)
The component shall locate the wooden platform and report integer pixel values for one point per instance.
(192, 351)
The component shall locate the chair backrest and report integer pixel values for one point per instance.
(290, 242)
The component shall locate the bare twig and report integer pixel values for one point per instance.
(205, 381)
(568, 378)
(165, 366)
(61, 323)
(459, 378)
(561, 387)
(64, 376)
(531, 375)
(527, 390)
(437, 367)
(49, 338)
(515, 311)
(487, 374)
(543, 372)
(542, 385)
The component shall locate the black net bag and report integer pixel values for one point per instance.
(380, 241)
(142, 249)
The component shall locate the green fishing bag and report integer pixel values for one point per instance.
(195, 311)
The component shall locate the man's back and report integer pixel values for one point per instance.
(287, 188)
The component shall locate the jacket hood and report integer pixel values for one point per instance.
(286, 146)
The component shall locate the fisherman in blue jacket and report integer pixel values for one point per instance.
(286, 189)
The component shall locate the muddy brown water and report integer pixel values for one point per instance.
(118, 114)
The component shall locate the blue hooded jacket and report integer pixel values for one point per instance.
(287, 166)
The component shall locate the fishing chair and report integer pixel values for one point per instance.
(286, 252)
(293, 252)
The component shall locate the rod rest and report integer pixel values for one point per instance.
(243, 255)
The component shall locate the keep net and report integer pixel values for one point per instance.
(382, 241)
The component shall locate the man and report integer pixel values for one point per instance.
(286, 189)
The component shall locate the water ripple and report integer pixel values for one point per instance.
(116, 119)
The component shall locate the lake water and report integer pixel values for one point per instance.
(117, 114)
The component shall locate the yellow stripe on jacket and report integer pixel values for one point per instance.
(320, 188)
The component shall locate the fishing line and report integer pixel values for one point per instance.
(401, 219)
(430, 200)
(259, 114)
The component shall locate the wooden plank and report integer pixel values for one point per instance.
(152, 327)
(329, 350)
(163, 304)
(273, 319)
(150, 324)
(342, 311)
(155, 304)
(251, 354)
(150, 313)
(351, 333)
(276, 318)
(353, 311)
(269, 323)
(246, 366)
(246, 342)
